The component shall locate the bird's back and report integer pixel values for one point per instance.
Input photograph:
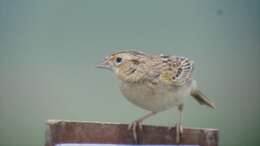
(168, 70)
(162, 84)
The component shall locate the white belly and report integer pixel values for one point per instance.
(154, 98)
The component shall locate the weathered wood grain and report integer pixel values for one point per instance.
(58, 132)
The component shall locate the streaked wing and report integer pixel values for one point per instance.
(172, 70)
(184, 70)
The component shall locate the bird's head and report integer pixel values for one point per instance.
(122, 63)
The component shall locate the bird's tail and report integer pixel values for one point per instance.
(201, 98)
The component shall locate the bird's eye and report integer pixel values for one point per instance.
(118, 60)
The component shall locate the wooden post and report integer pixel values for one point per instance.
(59, 132)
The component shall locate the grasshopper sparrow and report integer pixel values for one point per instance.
(155, 83)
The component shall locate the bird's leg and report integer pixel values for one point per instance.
(138, 123)
(179, 128)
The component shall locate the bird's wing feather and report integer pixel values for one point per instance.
(184, 70)
(172, 70)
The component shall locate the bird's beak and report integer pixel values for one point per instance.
(105, 65)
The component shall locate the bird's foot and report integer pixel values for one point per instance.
(179, 132)
(133, 126)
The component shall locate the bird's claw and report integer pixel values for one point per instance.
(133, 126)
(179, 132)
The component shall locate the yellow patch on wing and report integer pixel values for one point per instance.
(166, 77)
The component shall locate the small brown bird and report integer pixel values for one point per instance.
(155, 83)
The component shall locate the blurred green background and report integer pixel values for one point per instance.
(49, 49)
